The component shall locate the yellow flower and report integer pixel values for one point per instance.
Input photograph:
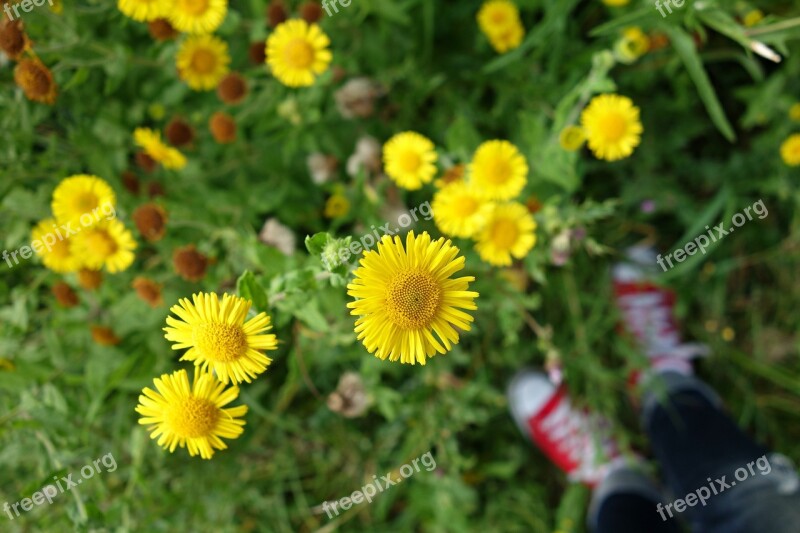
(753, 17)
(82, 200)
(144, 10)
(108, 244)
(794, 112)
(633, 45)
(409, 159)
(56, 253)
(151, 143)
(337, 206)
(191, 416)
(612, 126)
(217, 336)
(459, 210)
(203, 61)
(499, 20)
(509, 232)
(297, 52)
(57, 7)
(571, 138)
(405, 294)
(616, 3)
(498, 170)
(790, 150)
(197, 16)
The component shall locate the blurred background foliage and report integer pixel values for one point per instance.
(714, 115)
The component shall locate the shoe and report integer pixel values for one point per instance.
(648, 313)
(575, 441)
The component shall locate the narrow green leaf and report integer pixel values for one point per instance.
(684, 46)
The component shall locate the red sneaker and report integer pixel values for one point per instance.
(577, 442)
(648, 313)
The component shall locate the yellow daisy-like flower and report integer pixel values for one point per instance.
(191, 416)
(794, 112)
(459, 210)
(571, 138)
(616, 3)
(508, 233)
(633, 45)
(337, 206)
(498, 170)
(82, 199)
(108, 244)
(612, 126)
(405, 295)
(217, 336)
(56, 249)
(197, 16)
(409, 159)
(297, 52)
(790, 150)
(499, 20)
(203, 61)
(144, 10)
(150, 141)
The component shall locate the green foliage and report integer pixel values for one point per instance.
(714, 116)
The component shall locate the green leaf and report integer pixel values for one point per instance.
(684, 46)
(316, 243)
(252, 290)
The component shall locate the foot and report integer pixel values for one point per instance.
(575, 441)
(648, 313)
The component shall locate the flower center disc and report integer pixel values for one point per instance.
(410, 161)
(498, 172)
(203, 61)
(101, 243)
(613, 127)
(299, 54)
(412, 299)
(466, 206)
(504, 233)
(194, 7)
(193, 417)
(86, 202)
(223, 343)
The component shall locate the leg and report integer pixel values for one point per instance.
(628, 502)
(702, 450)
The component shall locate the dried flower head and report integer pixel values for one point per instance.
(64, 294)
(189, 263)
(179, 132)
(356, 99)
(104, 336)
(232, 89)
(222, 127)
(350, 397)
(149, 291)
(151, 220)
(36, 81)
(13, 39)
(90, 279)
(161, 30)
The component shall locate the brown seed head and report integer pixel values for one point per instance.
(155, 189)
(189, 263)
(151, 220)
(36, 81)
(104, 336)
(161, 30)
(131, 182)
(232, 89)
(223, 128)
(13, 40)
(311, 12)
(149, 291)
(276, 13)
(90, 279)
(64, 294)
(145, 162)
(179, 132)
(257, 53)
